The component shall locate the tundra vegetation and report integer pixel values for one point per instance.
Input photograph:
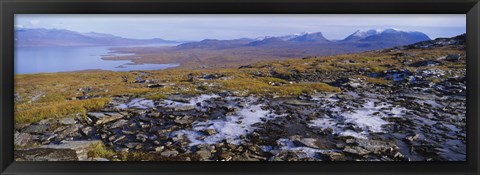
(375, 105)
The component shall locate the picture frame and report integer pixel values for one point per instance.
(11, 7)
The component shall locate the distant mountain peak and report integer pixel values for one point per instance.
(311, 37)
(61, 37)
(364, 34)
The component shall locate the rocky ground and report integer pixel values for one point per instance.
(418, 116)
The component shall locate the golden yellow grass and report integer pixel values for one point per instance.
(54, 94)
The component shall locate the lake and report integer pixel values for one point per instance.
(29, 60)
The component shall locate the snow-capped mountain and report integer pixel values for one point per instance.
(310, 37)
(382, 35)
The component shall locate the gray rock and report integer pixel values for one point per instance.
(65, 151)
(184, 107)
(377, 146)
(180, 98)
(70, 131)
(307, 142)
(141, 137)
(426, 63)
(47, 137)
(297, 103)
(412, 137)
(159, 149)
(67, 121)
(36, 129)
(102, 118)
(158, 85)
(453, 57)
(118, 124)
(209, 131)
(119, 139)
(356, 150)
(100, 159)
(204, 154)
(350, 141)
(332, 156)
(184, 120)
(169, 153)
(46, 154)
(88, 131)
(154, 114)
(22, 139)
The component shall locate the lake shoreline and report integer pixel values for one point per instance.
(33, 60)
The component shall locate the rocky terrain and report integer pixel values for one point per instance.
(409, 106)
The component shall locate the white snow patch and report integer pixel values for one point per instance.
(193, 102)
(230, 128)
(368, 118)
(365, 118)
(138, 103)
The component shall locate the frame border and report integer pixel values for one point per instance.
(10, 7)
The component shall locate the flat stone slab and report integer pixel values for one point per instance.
(104, 117)
(45, 154)
(81, 148)
(22, 139)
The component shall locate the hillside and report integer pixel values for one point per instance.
(398, 104)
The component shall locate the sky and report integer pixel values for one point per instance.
(194, 27)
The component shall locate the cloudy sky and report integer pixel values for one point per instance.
(198, 27)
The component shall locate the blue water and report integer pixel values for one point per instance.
(30, 60)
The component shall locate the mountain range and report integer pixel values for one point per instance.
(371, 39)
(60, 37)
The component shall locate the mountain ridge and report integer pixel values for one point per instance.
(61, 37)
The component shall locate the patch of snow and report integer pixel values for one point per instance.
(193, 102)
(368, 119)
(138, 103)
(230, 128)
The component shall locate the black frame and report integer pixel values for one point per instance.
(10, 7)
